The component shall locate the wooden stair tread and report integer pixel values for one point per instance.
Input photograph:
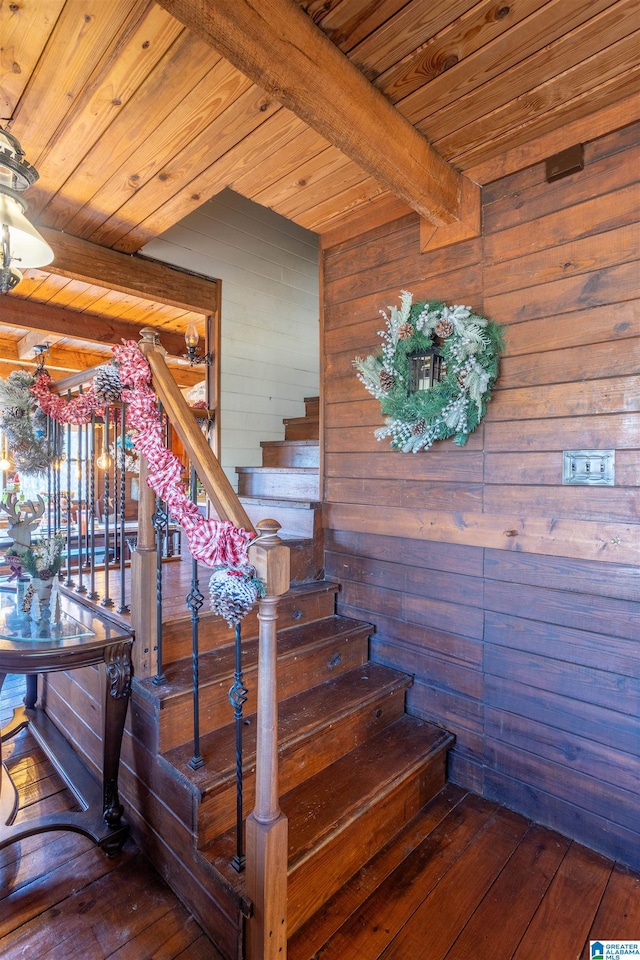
(283, 471)
(282, 501)
(289, 443)
(298, 590)
(217, 666)
(298, 718)
(320, 805)
(326, 806)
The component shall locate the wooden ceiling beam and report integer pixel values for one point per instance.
(282, 50)
(136, 276)
(50, 319)
(27, 344)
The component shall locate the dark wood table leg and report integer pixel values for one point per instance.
(32, 691)
(117, 660)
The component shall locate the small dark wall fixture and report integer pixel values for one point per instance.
(564, 163)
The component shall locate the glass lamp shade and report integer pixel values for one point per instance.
(192, 336)
(26, 246)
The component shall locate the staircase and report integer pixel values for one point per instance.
(353, 766)
(286, 488)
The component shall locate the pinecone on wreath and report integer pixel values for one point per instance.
(443, 329)
(418, 427)
(107, 385)
(387, 381)
(405, 332)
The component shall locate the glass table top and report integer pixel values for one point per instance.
(18, 626)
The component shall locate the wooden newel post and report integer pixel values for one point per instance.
(144, 608)
(267, 827)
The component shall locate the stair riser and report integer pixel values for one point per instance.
(293, 609)
(299, 761)
(312, 407)
(301, 429)
(284, 454)
(295, 486)
(294, 521)
(313, 881)
(296, 673)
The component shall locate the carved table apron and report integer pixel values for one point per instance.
(100, 816)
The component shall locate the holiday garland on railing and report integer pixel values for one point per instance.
(25, 425)
(216, 543)
(470, 346)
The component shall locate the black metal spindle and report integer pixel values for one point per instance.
(106, 600)
(80, 511)
(195, 599)
(50, 470)
(93, 593)
(57, 476)
(238, 698)
(69, 581)
(159, 521)
(121, 458)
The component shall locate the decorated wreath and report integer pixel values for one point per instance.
(25, 425)
(467, 348)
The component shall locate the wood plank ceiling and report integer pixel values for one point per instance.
(133, 120)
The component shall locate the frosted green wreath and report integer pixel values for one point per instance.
(470, 346)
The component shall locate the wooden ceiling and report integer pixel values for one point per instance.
(133, 119)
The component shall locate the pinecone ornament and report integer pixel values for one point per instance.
(405, 332)
(418, 427)
(462, 379)
(443, 329)
(107, 385)
(233, 591)
(387, 381)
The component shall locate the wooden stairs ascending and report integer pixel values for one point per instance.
(354, 768)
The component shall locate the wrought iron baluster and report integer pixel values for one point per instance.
(195, 599)
(238, 698)
(93, 593)
(159, 520)
(50, 469)
(79, 515)
(121, 458)
(106, 600)
(69, 581)
(57, 479)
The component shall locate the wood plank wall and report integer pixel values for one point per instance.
(514, 600)
(268, 267)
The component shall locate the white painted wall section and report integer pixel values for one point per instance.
(269, 272)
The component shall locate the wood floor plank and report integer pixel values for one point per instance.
(618, 916)
(340, 907)
(200, 949)
(25, 905)
(440, 916)
(368, 931)
(37, 859)
(500, 921)
(163, 939)
(574, 895)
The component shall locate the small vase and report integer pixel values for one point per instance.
(42, 589)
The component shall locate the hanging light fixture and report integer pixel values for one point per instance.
(20, 241)
(192, 338)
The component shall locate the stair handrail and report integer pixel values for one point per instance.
(210, 473)
(267, 826)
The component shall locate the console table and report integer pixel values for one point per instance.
(78, 639)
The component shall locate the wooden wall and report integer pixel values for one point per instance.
(514, 600)
(269, 331)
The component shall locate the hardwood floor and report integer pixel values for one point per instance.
(466, 880)
(469, 880)
(61, 898)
